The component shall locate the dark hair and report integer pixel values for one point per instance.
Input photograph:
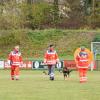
(51, 45)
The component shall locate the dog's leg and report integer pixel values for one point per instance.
(65, 76)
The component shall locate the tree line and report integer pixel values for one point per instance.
(41, 14)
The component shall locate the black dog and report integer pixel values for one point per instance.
(66, 72)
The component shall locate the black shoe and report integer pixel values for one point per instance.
(52, 78)
(17, 79)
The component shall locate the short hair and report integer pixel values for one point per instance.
(17, 46)
(51, 45)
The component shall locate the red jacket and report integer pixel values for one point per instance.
(15, 58)
(51, 58)
(82, 62)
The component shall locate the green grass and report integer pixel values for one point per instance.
(34, 43)
(34, 85)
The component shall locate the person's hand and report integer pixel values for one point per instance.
(21, 64)
(45, 61)
(57, 61)
(8, 62)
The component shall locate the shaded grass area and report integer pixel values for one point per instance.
(34, 85)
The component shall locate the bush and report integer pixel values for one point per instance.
(38, 14)
(97, 38)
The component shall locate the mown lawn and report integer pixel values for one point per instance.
(34, 85)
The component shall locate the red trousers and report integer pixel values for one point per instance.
(14, 72)
(83, 74)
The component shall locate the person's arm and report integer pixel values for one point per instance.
(45, 58)
(21, 60)
(9, 59)
(57, 58)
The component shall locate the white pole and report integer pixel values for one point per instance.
(92, 47)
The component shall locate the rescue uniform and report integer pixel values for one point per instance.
(51, 58)
(82, 65)
(15, 60)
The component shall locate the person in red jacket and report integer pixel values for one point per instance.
(82, 62)
(51, 59)
(15, 61)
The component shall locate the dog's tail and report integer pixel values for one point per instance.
(45, 72)
(70, 70)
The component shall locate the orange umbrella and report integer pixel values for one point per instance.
(90, 54)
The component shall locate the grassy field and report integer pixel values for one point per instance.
(34, 85)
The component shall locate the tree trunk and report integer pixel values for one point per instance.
(56, 11)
